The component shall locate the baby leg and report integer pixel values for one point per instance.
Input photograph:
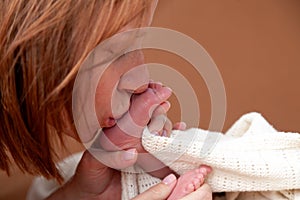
(189, 182)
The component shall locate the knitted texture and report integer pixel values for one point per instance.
(135, 181)
(251, 156)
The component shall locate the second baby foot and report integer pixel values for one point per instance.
(189, 182)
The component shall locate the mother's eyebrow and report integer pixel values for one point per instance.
(115, 49)
(113, 56)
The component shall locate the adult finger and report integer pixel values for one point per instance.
(160, 191)
(167, 128)
(157, 124)
(116, 160)
(161, 109)
(93, 175)
(202, 193)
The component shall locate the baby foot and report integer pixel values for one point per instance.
(189, 182)
(127, 132)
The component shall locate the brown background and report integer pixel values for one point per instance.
(256, 46)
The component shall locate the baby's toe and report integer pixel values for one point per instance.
(197, 182)
(189, 188)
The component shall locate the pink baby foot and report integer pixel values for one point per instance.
(189, 182)
(127, 132)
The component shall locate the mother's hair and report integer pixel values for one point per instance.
(43, 43)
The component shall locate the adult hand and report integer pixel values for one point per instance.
(94, 180)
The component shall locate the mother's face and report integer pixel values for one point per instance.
(109, 87)
(125, 76)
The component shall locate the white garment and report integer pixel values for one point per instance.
(252, 156)
(42, 188)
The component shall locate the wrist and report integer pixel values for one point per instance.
(69, 190)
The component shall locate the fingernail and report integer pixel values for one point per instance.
(169, 179)
(129, 154)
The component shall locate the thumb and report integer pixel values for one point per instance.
(94, 172)
(116, 160)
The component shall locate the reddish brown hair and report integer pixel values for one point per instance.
(43, 43)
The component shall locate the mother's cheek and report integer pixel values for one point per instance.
(102, 107)
(120, 103)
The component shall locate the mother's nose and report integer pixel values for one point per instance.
(136, 80)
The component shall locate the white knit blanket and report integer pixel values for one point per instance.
(251, 156)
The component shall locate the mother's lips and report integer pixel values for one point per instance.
(110, 122)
